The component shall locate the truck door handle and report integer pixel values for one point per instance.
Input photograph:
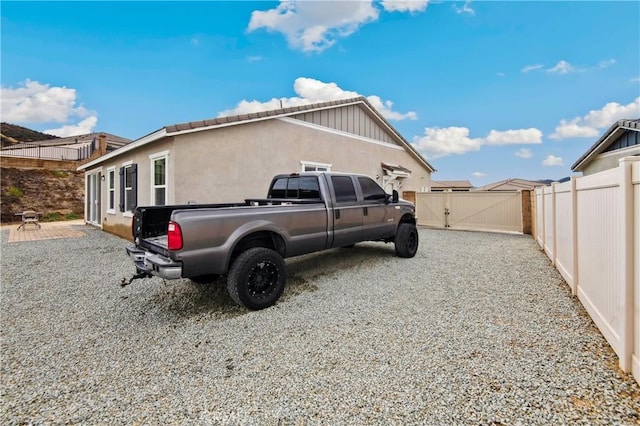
(366, 211)
(337, 214)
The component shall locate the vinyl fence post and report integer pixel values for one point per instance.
(574, 233)
(627, 250)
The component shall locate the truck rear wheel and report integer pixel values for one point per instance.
(256, 278)
(406, 240)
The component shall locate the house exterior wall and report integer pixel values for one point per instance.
(238, 162)
(609, 160)
(230, 164)
(118, 222)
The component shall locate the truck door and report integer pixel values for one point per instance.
(347, 212)
(378, 221)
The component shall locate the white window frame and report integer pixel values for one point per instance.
(164, 155)
(317, 167)
(126, 213)
(111, 190)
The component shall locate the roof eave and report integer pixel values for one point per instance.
(151, 137)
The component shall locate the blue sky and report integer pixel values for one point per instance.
(485, 90)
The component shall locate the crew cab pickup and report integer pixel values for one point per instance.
(247, 242)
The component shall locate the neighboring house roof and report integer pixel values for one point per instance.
(203, 125)
(451, 184)
(511, 185)
(113, 141)
(616, 130)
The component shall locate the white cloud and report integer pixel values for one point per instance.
(35, 102)
(562, 67)
(256, 58)
(635, 80)
(83, 127)
(590, 125)
(478, 174)
(607, 63)
(404, 5)
(510, 137)
(466, 8)
(440, 142)
(529, 68)
(524, 153)
(313, 26)
(552, 160)
(311, 91)
(500, 74)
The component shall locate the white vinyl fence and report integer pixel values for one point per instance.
(590, 229)
(475, 210)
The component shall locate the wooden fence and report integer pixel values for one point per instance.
(590, 229)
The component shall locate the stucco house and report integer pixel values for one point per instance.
(511, 184)
(451, 186)
(622, 139)
(229, 159)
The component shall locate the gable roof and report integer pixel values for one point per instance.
(511, 185)
(607, 138)
(203, 125)
(450, 184)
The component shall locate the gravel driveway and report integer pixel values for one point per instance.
(478, 328)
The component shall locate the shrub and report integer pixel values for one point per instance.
(13, 191)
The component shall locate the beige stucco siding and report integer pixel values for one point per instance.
(117, 221)
(238, 162)
(609, 160)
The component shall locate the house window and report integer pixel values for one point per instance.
(111, 190)
(159, 178)
(311, 166)
(128, 187)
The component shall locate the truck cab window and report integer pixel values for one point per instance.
(305, 187)
(371, 190)
(279, 189)
(344, 189)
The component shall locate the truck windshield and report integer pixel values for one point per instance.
(295, 187)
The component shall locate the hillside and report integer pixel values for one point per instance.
(11, 134)
(56, 193)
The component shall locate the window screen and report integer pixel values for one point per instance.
(344, 189)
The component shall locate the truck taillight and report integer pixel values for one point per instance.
(174, 236)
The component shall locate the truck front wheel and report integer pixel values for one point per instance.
(256, 278)
(406, 240)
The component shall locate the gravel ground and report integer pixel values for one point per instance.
(478, 328)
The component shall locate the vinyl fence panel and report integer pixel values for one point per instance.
(590, 229)
(564, 232)
(475, 210)
(486, 211)
(635, 179)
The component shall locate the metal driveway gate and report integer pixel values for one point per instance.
(474, 210)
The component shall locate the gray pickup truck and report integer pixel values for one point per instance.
(303, 213)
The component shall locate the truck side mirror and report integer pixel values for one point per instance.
(394, 196)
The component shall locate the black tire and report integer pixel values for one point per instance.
(406, 240)
(256, 278)
(204, 279)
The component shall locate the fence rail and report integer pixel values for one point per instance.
(590, 229)
(73, 153)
